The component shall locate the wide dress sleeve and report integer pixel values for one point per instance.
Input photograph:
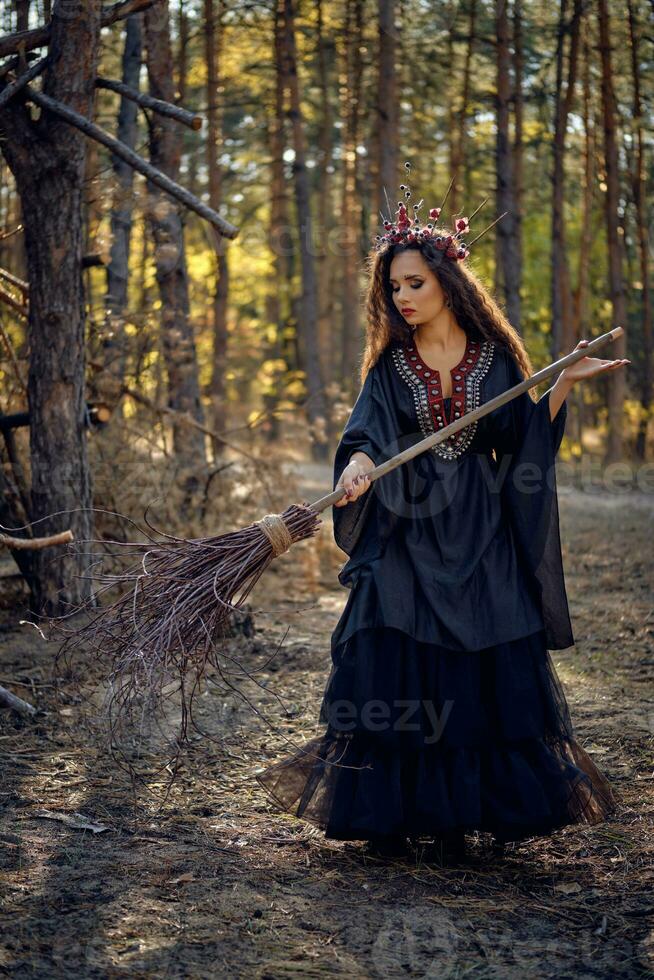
(362, 526)
(526, 445)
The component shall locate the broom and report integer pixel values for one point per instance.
(180, 595)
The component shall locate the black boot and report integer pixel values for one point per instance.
(446, 848)
(387, 845)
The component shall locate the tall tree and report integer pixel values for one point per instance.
(122, 207)
(562, 327)
(351, 343)
(386, 114)
(178, 341)
(326, 271)
(640, 201)
(308, 327)
(517, 149)
(459, 169)
(213, 46)
(581, 298)
(616, 379)
(507, 250)
(47, 159)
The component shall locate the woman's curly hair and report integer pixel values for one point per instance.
(473, 306)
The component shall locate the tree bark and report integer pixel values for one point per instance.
(316, 399)
(561, 290)
(459, 136)
(352, 340)
(640, 200)
(47, 158)
(517, 149)
(178, 342)
(507, 248)
(279, 350)
(581, 299)
(325, 57)
(114, 355)
(213, 47)
(386, 114)
(615, 380)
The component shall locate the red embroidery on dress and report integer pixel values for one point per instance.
(434, 385)
(427, 392)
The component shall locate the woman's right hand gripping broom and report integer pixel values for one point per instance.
(354, 478)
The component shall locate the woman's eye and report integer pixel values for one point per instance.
(415, 285)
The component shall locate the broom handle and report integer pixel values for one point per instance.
(477, 413)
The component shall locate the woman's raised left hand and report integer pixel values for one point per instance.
(588, 367)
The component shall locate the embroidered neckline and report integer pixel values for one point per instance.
(424, 371)
(432, 378)
(426, 387)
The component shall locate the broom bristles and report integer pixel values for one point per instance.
(173, 615)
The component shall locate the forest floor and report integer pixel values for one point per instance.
(217, 882)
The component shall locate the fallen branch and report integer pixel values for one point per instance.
(9, 701)
(36, 544)
(39, 37)
(134, 160)
(190, 119)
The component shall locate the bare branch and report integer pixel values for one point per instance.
(185, 417)
(35, 544)
(40, 36)
(134, 160)
(7, 298)
(190, 119)
(19, 83)
(15, 63)
(15, 281)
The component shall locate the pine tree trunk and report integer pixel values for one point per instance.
(308, 326)
(213, 47)
(352, 341)
(615, 380)
(386, 115)
(562, 328)
(458, 160)
(640, 200)
(581, 299)
(170, 261)
(328, 349)
(517, 149)
(507, 243)
(114, 345)
(47, 159)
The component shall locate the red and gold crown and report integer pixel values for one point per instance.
(406, 230)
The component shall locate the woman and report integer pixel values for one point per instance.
(443, 711)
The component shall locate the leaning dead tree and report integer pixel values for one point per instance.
(46, 113)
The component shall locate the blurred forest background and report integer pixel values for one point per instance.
(188, 191)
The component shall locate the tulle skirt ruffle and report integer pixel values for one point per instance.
(422, 740)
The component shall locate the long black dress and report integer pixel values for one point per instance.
(443, 710)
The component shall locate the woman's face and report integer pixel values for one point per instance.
(417, 293)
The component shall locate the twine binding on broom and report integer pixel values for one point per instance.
(275, 529)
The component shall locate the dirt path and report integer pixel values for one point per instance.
(219, 883)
